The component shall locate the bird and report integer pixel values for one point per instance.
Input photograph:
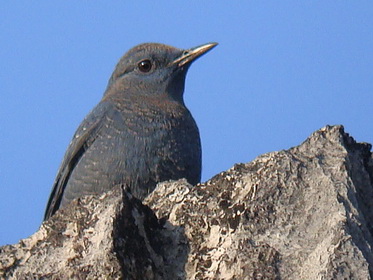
(139, 134)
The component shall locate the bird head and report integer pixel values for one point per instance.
(153, 69)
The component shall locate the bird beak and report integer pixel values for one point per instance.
(192, 54)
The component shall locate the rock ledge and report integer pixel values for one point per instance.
(303, 213)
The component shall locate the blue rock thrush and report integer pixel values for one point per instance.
(139, 134)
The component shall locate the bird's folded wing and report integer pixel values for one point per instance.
(85, 135)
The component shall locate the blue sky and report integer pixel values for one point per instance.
(282, 70)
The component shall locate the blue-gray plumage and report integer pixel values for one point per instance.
(139, 134)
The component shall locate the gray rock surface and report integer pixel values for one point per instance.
(303, 213)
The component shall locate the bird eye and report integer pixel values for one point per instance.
(145, 65)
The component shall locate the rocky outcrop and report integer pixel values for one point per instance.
(303, 213)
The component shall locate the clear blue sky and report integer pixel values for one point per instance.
(282, 70)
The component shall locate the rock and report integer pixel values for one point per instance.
(303, 213)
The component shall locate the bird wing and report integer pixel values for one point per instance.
(83, 138)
